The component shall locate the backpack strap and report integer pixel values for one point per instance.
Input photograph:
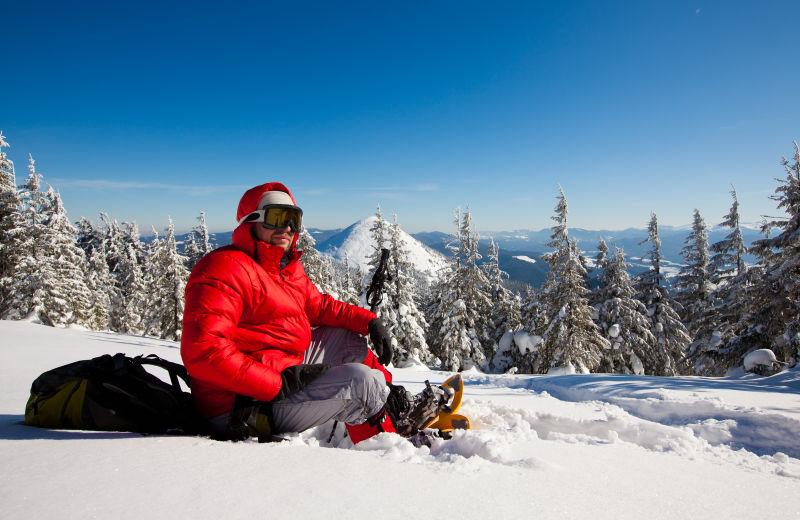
(174, 369)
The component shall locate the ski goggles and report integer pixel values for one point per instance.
(277, 216)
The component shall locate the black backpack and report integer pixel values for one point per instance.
(113, 393)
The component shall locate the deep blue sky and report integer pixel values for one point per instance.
(149, 110)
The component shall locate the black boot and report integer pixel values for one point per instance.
(409, 413)
(249, 418)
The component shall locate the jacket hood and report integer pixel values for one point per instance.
(243, 234)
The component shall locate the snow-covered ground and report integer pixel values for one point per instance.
(550, 447)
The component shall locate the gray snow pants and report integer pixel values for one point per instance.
(349, 391)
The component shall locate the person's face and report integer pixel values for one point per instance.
(277, 237)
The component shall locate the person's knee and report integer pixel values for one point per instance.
(368, 386)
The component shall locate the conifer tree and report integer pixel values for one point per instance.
(198, 242)
(518, 348)
(409, 325)
(720, 348)
(132, 239)
(505, 314)
(318, 269)
(602, 259)
(600, 264)
(113, 243)
(533, 318)
(379, 239)
(694, 280)
(166, 300)
(131, 299)
(728, 258)
(572, 341)
(533, 314)
(350, 287)
(12, 228)
(129, 291)
(774, 302)
(36, 204)
(89, 238)
(101, 286)
(559, 242)
(27, 284)
(457, 332)
(67, 298)
(672, 338)
(623, 321)
(475, 288)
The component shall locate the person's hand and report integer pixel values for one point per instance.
(381, 341)
(294, 379)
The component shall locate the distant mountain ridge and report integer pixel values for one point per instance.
(516, 243)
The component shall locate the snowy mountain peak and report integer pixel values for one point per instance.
(356, 244)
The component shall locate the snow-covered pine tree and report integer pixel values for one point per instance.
(198, 242)
(350, 281)
(476, 288)
(572, 341)
(505, 313)
(672, 338)
(623, 321)
(131, 298)
(693, 282)
(35, 203)
(166, 301)
(129, 291)
(728, 257)
(113, 243)
(29, 277)
(600, 264)
(89, 238)
(526, 342)
(602, 259)
(318, 269)
(132, 238)
(12, 229)
(408, 329)
(379, 239)
(457, 329)
(101, 288)
(775, 302)
(721, 348)
(559, 242)
(67, 299)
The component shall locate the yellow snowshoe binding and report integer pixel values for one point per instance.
(447, 419)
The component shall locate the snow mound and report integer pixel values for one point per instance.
(761, 357)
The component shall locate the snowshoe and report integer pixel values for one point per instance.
(434, 409)
(448, 420)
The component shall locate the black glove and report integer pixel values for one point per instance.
(294, 379)
(381, 341)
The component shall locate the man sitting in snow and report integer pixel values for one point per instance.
(257, 366)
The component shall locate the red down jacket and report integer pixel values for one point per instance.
(246, 319)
